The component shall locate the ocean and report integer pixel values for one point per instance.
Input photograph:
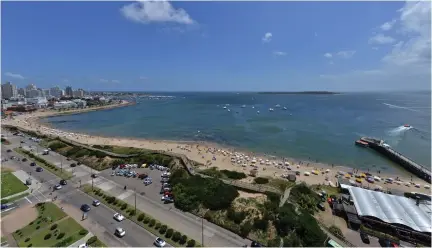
(319, 128)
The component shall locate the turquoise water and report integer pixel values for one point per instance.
(315, 127)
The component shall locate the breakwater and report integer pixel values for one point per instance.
(411, 166)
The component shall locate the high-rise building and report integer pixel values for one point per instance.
(56, 92)
(69, 91)
(78, 93)
(34, 93)
(30, 87)
(9, 90)
(22, 92)
(46, 92)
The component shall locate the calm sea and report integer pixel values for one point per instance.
(316, 127)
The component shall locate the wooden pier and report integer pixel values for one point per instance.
(411, 166)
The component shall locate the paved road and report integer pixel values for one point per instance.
(101, 216)
(149, 201)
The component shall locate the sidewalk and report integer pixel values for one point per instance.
(82, 241)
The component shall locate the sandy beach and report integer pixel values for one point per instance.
(213, 155)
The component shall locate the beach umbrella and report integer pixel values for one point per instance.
(427, 186)
(328, 170)
(286, 163)
(347, 175)
(306, 173)
(363, 175)
(377, 178)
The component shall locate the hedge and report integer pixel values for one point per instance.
(169, 233)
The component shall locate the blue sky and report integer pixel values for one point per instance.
(217, 46)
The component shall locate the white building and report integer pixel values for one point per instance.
(39, 102)
(31, 87)
(9, 90)
(80, 103)
(22, 92)
(78, 93)
(64, 105)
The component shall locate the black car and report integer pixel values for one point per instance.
(73, 165)
(364, 237)
(24, 160)
(255, 244)
(94, 176)
(68, 159)
(114, 167)
(9, 150)
(321, 206)
(39, 169)
(85, 208)
(32, 164)
(63, 182)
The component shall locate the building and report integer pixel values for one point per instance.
(46, 92)
(31, 87)
(78, 93)
(38, 102)
(69, 91)
(22, 92)
(56, 92)
(34, 93)
(64, 105)
(80, 103)
(9, 90)
(398, 216)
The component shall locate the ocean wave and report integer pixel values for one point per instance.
(400, 107)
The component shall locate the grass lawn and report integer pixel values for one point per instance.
(11, 185)
(49, 215)
(45, 164)
(12, 199)
(67, 225)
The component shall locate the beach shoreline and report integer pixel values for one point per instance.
(211, 154)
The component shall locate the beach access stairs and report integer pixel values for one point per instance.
(408, 164)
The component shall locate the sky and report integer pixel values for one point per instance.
(218, 46)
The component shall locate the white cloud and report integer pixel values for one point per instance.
(155, 11)
(267, 37)
(102, 80)
(143, 77)
(14, 75)
(407, 66)
(346, 54)
(381, 39)
(328, 55)
(388, 25)
(279, 53)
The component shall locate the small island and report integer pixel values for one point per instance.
(300, 93)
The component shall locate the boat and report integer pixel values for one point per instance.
(271, 110)
(406, 125)
(229, 110)
(361, 143)
(284, 108)
(243, 106)
(253, 107)
(225, 107)
(258, 112)
(277, 106)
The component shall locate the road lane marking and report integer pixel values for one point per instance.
(9, 209)
(28, 200)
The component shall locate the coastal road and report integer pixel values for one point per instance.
(100, 217)
(148, 200)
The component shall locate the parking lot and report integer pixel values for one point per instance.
(152, 191)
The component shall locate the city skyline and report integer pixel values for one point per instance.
(234, 46)
(10, 90)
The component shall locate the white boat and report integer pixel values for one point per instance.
(225, 107)
(253, 107)
(229, 110)
(243, 106)
(258, 112)
(284, 108)
(277, 106)
(271, 110)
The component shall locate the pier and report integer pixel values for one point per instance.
(411, 166)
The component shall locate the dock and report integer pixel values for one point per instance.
(411, 166)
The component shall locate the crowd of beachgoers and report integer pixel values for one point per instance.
(214, 155)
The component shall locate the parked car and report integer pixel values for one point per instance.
(63, 182)
(168, 199)
(85, 208)
(159, 242)
(39, 169)
(8, 150)
(255, 244)
(164, 179)
(32, 164)
(73, 165)
(57, 187)
(24, 160)
(4, 206)
(147, 181)
(96, 203)
(68, 159)
(321, 206)
(94, 176)
(364, 237)
(118, 217)
(120, 232)
(114, 167)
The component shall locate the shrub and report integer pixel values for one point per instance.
(124, 206)
(37, 227)
(83, 232)
(61, 235)
(27, 240)
(132, 213)
(234, 174)
(169, 233)
(146, 220)
(163, 229)
(30, 245)
(191, 243)
(336, 231)
(53, 226)
(183, 239)
(92, 240)
(47, 236)
(152, 222)
(261, 180)
(157, 226)
(245, 229)
(141, 217)
(176, 236)
(31, 223)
